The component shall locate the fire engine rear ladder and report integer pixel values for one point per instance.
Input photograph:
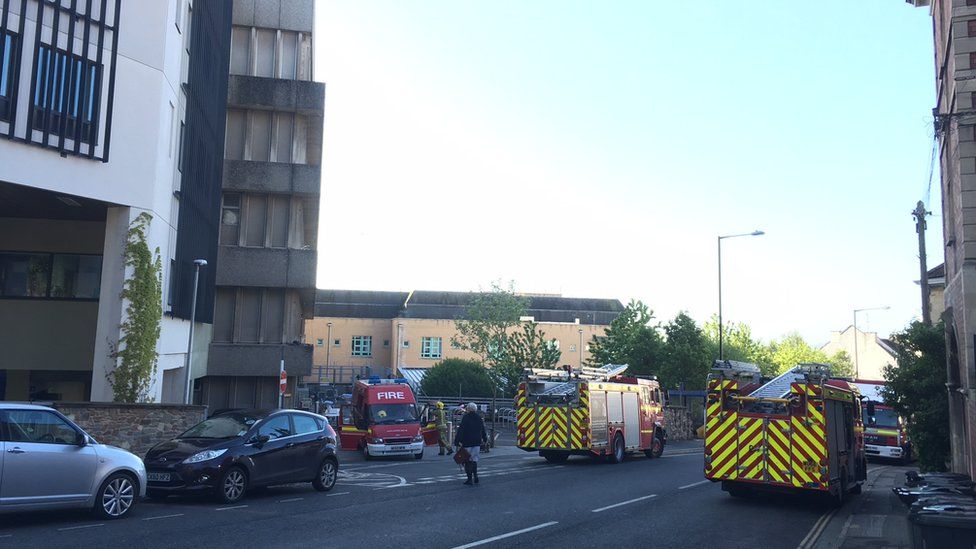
(779, 387)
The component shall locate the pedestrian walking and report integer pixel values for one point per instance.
(440, 420)
(470, 436)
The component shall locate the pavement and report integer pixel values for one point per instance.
(522, 501)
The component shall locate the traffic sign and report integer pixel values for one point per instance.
(283, 383)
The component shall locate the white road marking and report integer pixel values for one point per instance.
(164, 516)
(682, 455)
(692, 485)
(818, 527)
(508, 535)
(229, 508)
(289, 500)
(80, 527)
(628, 502)
(7, 536)
(337, 494)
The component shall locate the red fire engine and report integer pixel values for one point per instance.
(384, 420)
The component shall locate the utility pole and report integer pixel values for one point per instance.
(923, 280)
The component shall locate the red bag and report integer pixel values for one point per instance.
(461, 456)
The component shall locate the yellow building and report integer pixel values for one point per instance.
(362, 333)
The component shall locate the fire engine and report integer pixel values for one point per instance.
(801, 431)
(885, 432)
(594, 411)
(383, 420)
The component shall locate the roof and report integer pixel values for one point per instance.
(937, 272)
(414, 376)
(359, 303)
(888, 345)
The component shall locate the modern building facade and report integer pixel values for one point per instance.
(266, 258)
(108, 110)
(362, 333)
(954, 28)
(869, 353)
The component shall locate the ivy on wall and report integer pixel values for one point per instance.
(136, 356)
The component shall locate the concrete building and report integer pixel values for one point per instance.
(870, 355)
(385, 333)
(108, 110)
(954, 29)
(269, 207)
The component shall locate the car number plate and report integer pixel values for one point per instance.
(398, 448)
(158, 477)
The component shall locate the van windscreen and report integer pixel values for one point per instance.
(381, 414)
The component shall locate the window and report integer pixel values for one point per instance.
(260, 137)
(319, 342)
(8, 55)
(289, 54)
(284, 136)
(264, 136)
(39, 426)
(180, 151)
(230, 220)
(305, 424)
(336, 342)
(430, 347)
(234, 140)
(58, 276)
(270, 53)
(252, 315)
(406, 344)
(240, 51)
(224, 312)
(273, 324)
(386, 342)
(362, 345)
(265, 53)
(280, 206)
(256, 221)
(971, 27)
(276, 427)
(553, 344)
(66, 87)
(249, 316)
(572, 348)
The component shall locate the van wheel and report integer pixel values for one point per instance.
(366, 455)
(617, 453)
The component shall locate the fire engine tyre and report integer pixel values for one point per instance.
(555, 457)
(837, 500)
(658, 447)
(617, 455)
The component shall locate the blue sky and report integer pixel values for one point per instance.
(598, 148)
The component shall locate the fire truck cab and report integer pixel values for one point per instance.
(383, 420)
(885, 432)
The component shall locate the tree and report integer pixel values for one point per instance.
(739, 345)
(485, 329)
(527, 348)
(143, 294)
(916, 389)
(630, 339)
(456, 376)
(841, 365)
(791, 350)
(687, 354)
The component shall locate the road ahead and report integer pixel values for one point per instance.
(522, 501)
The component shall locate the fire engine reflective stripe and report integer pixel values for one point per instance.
(579, 428)
(723, 448)
(750, 448)
(778, 466)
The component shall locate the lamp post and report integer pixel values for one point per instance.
(328, 349)
(396, 367)
(193, 316)
(721, 327)
(581, 349)
(857, 370)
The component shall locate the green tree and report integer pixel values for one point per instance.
(739, 345)
(143, 294)
(916, 389)
(630, 339)
(841, 365)
(456, 376)
(687, 354)
(485, 329)
(527, 348)
(791, 350)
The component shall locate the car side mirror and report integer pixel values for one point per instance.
(81, 439)
(260, 440)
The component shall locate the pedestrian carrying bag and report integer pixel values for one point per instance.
(461, 456)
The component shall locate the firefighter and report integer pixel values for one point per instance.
(440, 419)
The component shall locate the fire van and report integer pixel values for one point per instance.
(885, 432)
(594, 411)
(800, 431)
(383, 419)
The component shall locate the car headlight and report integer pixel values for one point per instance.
(206, 455)
(418, 438)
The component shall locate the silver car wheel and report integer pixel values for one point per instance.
(327, 474)
(118, 496)
(234, 485)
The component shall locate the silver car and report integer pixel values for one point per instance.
(48, 462)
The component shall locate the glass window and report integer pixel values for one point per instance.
(305, 424)
(234, 140)
(250, 315)
(284, 137)
(223, 326)
(230, 220)
(39, 426)
(280, 206)
(430, 347)
(227, 425)
(276, 427)
(24, 275)
(289, 54)
(257, 220)
(77, 276)
(65, 86)
(260, 138)
(240, 50)
(362, 345)
(319, 342)
(265, 53)
(8, 43)
(274, 316)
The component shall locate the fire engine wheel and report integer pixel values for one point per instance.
(837, 499)
(657, 448)
(617, 456)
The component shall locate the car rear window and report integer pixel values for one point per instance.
(305, 424)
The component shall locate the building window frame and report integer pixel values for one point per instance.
(9, 57)
(431, 347)
(362, 346)
(52, 94)
(44, 266)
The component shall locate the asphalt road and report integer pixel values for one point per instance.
(521, 501)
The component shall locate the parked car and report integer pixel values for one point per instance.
(48, 462)
(236, 450)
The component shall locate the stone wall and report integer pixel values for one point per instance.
(678, 421)
(135, 427)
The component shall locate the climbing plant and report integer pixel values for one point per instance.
(136, 356)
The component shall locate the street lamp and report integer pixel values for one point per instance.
(328, 349)
(857, 371)
(193, 316)
(581, 349)
(721, 327)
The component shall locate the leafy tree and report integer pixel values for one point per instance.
(630, 339)
(527, 348)
(916, 389)
(739, 345)
(841, 365)
(143, 294)
(687, 354)
(457, 376)
(485, 330)
(792, 350)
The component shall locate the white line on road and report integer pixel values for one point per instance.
(337, 494)
(628, 502)
(818, 527)
(80, 527)
(7, 536)
(508, 535)
(289, 500)
(692, 485)
(164, 516)
(682, 455)
(229, 508)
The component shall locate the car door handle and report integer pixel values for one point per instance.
(16, 451)
(289, 445)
